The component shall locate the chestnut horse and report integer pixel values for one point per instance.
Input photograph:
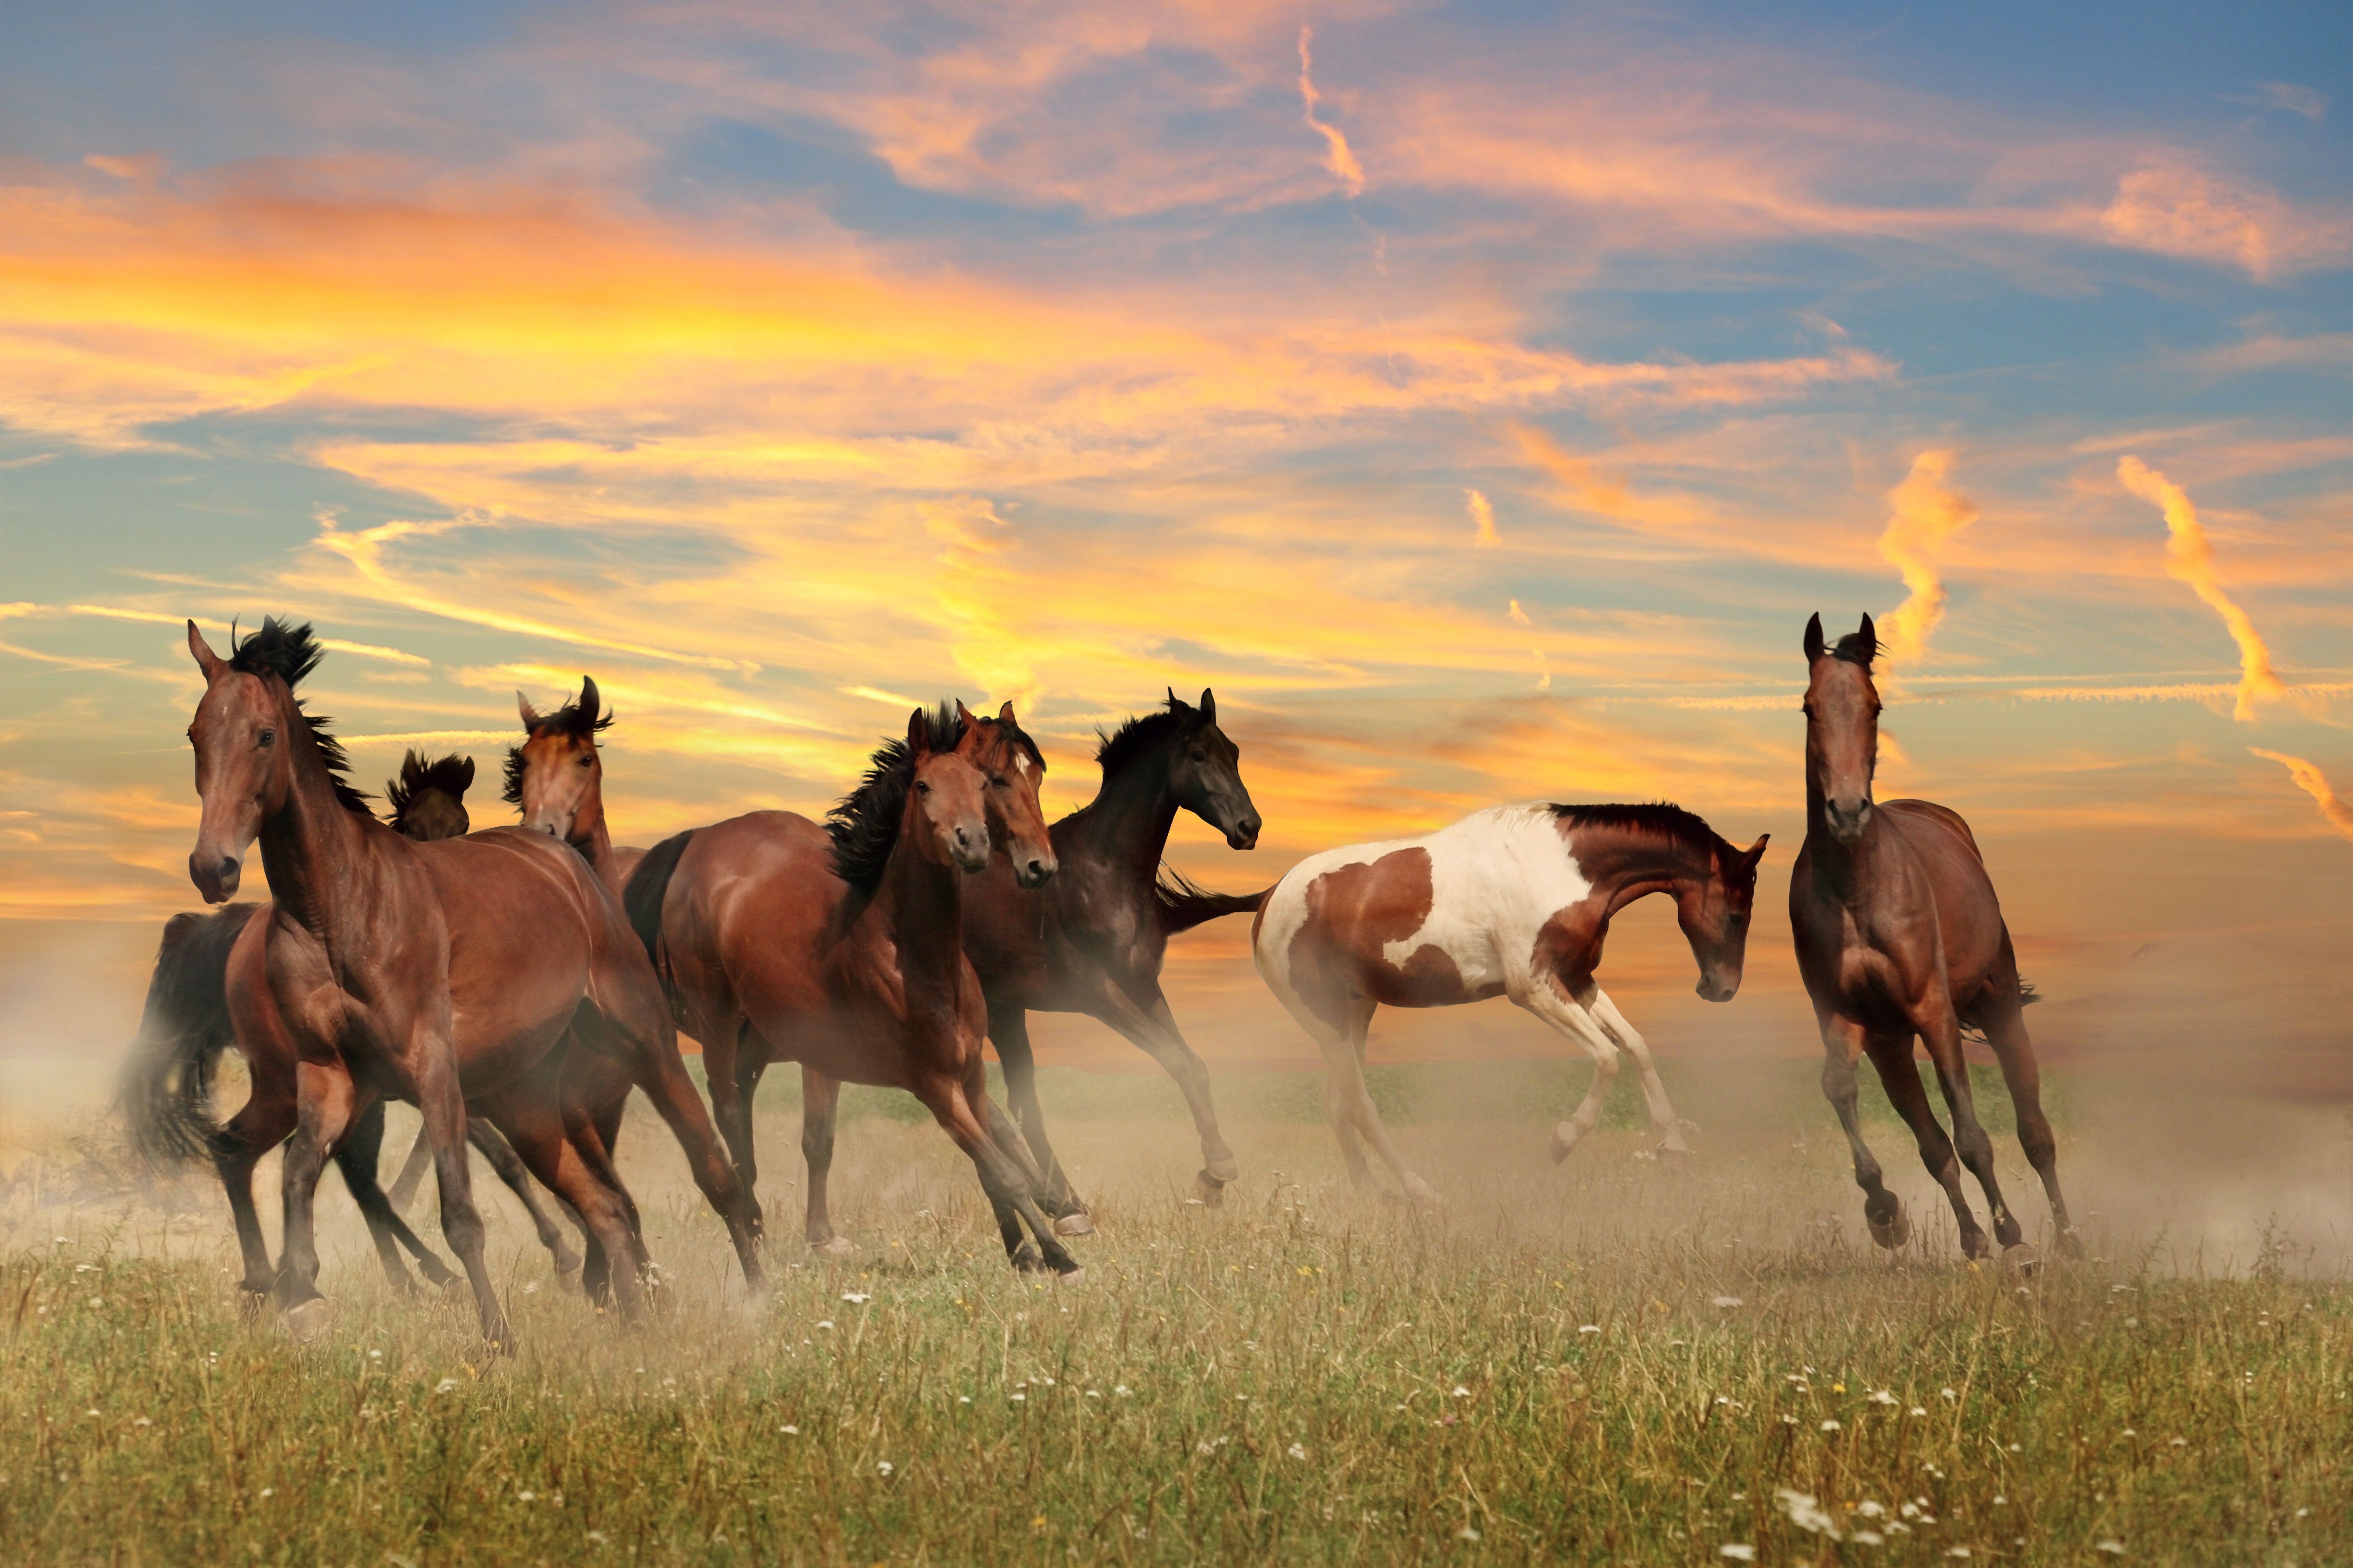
(1092, 940)
(438, 973)
(187, 1025)
(842, 948)
(1899, 934)
(1514, 901)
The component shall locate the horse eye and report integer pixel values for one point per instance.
(922, 787)
(586, 761)
(998, 781)
(268, 736)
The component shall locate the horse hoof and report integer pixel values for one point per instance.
(2071, 1243)
(1209, 1190)
(1564, 1139)
(1892, 1232)
(2020, 1261)
(1222, 1171)
(1071, 1276)
(309, 1321)
(1421, 1196)
(835, 1247)
(1077, 1222)
(1025, 1259)
(568, 1281)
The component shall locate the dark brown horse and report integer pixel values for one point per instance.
(1092, 940)
(1514, 901)
(187, 1026)
(1899, 934)
(842, 948)
(437, 972)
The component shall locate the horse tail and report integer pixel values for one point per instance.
(1974, 1031)
(648, 886)
(166, 1090)
(1185, 904)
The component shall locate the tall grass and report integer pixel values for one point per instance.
(1614, 1361)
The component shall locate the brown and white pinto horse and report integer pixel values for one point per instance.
(842, 948)
(1512, 902)
(1899, 934)
(438, 973)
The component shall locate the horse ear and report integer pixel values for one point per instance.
(465, 775)
(1755, 852)
(1869, 636)
(206, 659)
(1174, 702)
(590, 700)
(530, 714)
(1209, 705)
(1005, 714)
(919, 735)
(1814, 637)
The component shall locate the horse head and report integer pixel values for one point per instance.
(557, 776)
(946, 815)
(428, 798)
(1842, 727)
(1205, 771)
(1713, 913)
(1013, 768)
(243, 734)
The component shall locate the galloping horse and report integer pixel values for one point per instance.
(438, 973)
(1514, 901)
(1899, 934)
(1092, 940)
(842, 948)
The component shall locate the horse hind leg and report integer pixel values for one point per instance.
(2000, 1012)
(1356, 1101)
(958, 1107)
(356, 1157)
(1943, 1039)
(1009, 1031)
(821, 1107)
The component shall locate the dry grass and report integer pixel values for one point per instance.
(1612, 1362)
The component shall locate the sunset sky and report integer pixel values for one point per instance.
(1478, 398)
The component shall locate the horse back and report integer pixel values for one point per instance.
(1969, 912)
(748, 913)
(531, 930)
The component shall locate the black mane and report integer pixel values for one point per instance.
(585, 716)
(1662, 818)
(1856, 650)
(864, 826)
(452, 775)
(289, 653)
(1123, 746)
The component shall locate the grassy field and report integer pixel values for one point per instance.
(1618, 1361)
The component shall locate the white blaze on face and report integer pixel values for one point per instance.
(1021, 763)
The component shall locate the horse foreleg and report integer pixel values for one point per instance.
(1941, 1033)
(1151, 1028)
(1654, 1092)
(264, 1122)
(1009, 1031)
(960, 1107)
(1842, 1045)
(821, 1099)
(325, 1101)
(402, 1191)
(1548, 1000)
(1900, 1073)
(2000, 1014)
(443, 1102)
(512, 1171)
(356, 1157)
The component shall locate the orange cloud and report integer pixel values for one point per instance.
(2189, 558)
(1337, 158)
(1926, 512)
(2308, 779)
(2176, 210)
(1483, 516)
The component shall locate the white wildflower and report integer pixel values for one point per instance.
(1806, 1514)
(1727, 1302)
(1738, 1551)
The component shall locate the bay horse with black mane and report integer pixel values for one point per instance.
(1515, 902)
(189, 1022)
(842, 948)
(1899, 935)
(441, 974)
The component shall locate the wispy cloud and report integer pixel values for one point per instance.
(1925, 511)
(1339, 158)
(2189, 558)
(2308, 779)
(1483, 518)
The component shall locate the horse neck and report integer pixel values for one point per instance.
(595, 842)
(1128, 821)
(1630, 864)
(922, 905)
(1836, 866)
(313, 846)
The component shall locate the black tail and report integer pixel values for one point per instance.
(1184, 904)
(1973, 1031)
(167, 1085)
(648, 886)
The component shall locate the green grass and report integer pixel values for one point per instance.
(1541, 1373)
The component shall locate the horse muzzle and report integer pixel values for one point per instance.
(1847, 823)
(1243, 835)
(969, 850)
(1716, 988)
(215, 877)
(1035, 871)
